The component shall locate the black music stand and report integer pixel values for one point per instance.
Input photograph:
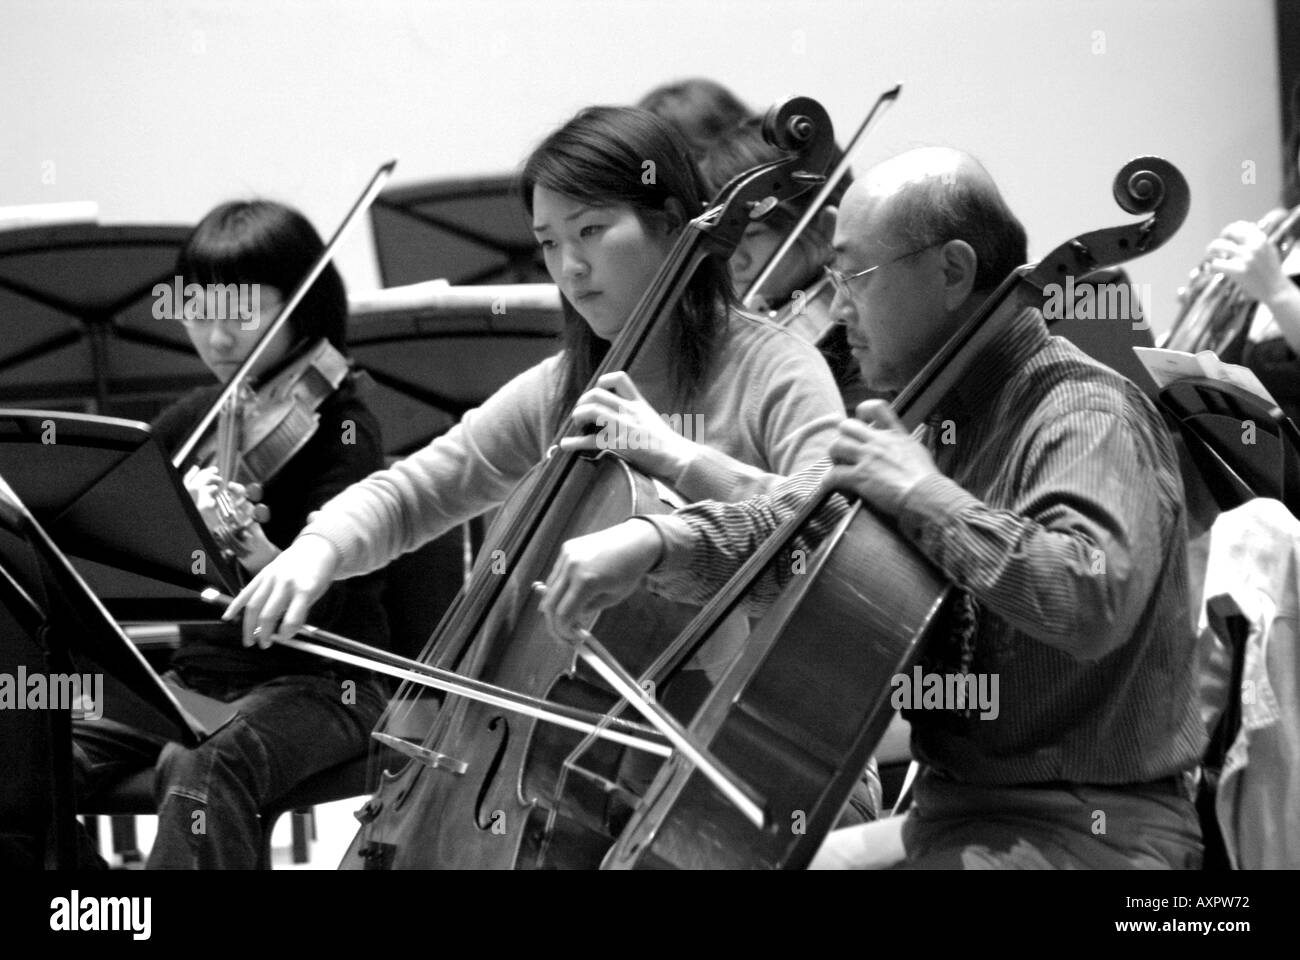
(430, 363)
(1238, 462)
(75, 634)
(76, 319)
(467, 231)
(109, 497)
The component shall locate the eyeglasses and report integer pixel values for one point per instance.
(841, 280)
(228, 322)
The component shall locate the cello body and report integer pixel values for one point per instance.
(814, 710)
(475, 816)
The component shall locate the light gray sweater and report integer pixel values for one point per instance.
(769, 408)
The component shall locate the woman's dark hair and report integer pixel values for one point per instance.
(261, 241)
(601, 158)
(699, 109)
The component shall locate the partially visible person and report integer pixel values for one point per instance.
(1243, 253)
(701, 110)
(296, 714)
(797, 294)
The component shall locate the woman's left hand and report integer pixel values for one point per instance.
(631, 427)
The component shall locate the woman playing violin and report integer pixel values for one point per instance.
(297, 715)
(608, 194)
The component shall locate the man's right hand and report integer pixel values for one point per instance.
(276, 602)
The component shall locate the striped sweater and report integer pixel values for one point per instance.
(1060, 512)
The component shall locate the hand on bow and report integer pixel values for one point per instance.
(276, 602)
(595, 572)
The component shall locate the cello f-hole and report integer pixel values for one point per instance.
(493, 768)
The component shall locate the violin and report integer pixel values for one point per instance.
(807, 314)
(250, 435)
(480, 789)
(260, 430)
(796, 717)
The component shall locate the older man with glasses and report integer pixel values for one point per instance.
(1045, 487)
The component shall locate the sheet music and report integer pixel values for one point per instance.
(1169, 366)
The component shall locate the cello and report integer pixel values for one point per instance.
(797, 715)
(483, 790)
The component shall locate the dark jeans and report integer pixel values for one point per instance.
(209, 798)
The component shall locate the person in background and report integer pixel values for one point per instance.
(701, 110)
(296, 714)
(1243, 253)
(797, 294)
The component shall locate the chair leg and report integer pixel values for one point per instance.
(302, 820)
(268, 830)
(125, 843)
(91, 823)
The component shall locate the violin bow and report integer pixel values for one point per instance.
(362, 203)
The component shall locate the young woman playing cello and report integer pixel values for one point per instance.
(607, 193)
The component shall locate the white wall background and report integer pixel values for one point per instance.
(160, 110)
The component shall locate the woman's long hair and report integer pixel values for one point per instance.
(261, 241)
(601, 157)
